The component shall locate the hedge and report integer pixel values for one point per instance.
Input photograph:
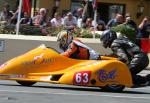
(125, 30)
(52, 31)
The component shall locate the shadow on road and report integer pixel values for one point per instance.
(80, 88)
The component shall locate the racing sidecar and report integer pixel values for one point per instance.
(44, 64)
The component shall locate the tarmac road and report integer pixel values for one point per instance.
(11, 92)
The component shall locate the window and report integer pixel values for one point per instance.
(107, 11)
(113, 9)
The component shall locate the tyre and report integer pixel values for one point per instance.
(113, 88)
(26, 83)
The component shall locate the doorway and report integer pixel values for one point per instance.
(108, 11)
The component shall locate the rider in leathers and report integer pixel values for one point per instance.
(129, 53)
(74, 48)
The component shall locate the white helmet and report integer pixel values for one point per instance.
(64, 38)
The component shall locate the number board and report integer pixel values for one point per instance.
(82, 78)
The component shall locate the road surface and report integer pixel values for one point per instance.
(11, 92)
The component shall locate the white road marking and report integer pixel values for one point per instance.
(140, 88)
(75, 94)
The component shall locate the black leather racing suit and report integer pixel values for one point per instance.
(133, 56)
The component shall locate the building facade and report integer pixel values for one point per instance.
(106, 8)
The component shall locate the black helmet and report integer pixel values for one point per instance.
(107, 37)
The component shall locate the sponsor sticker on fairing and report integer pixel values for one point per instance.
(107, 76)
(17, 76)
(7, 76)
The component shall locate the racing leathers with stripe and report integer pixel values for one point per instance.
(133, 56)
(78, 50)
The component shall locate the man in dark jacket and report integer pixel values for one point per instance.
(129, 53)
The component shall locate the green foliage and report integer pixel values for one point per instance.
(125, 30)
(86, 33)
(52, 31)
(30, 30)
(4, 29)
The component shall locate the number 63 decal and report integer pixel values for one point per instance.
(82, 78)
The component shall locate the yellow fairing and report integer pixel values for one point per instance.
(46, 65)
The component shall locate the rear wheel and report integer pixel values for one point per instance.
(26, 83)
(113, 88)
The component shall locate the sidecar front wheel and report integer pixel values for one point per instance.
(113, 88)
(25, 83)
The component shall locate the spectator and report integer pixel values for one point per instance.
(100, 26)
(81, 15)
(88, 23)
(36, 12)
(57, 20)
(5, 15)
(70, 22)
(116, 21)
(34, 17)
(25, 19)
(15, 16)
(41, 19)
(130, 22)
(144, 27)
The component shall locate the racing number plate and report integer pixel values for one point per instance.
(82, 78)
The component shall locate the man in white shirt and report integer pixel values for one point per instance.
(70, 21)
(82, 14)
(57, 20)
